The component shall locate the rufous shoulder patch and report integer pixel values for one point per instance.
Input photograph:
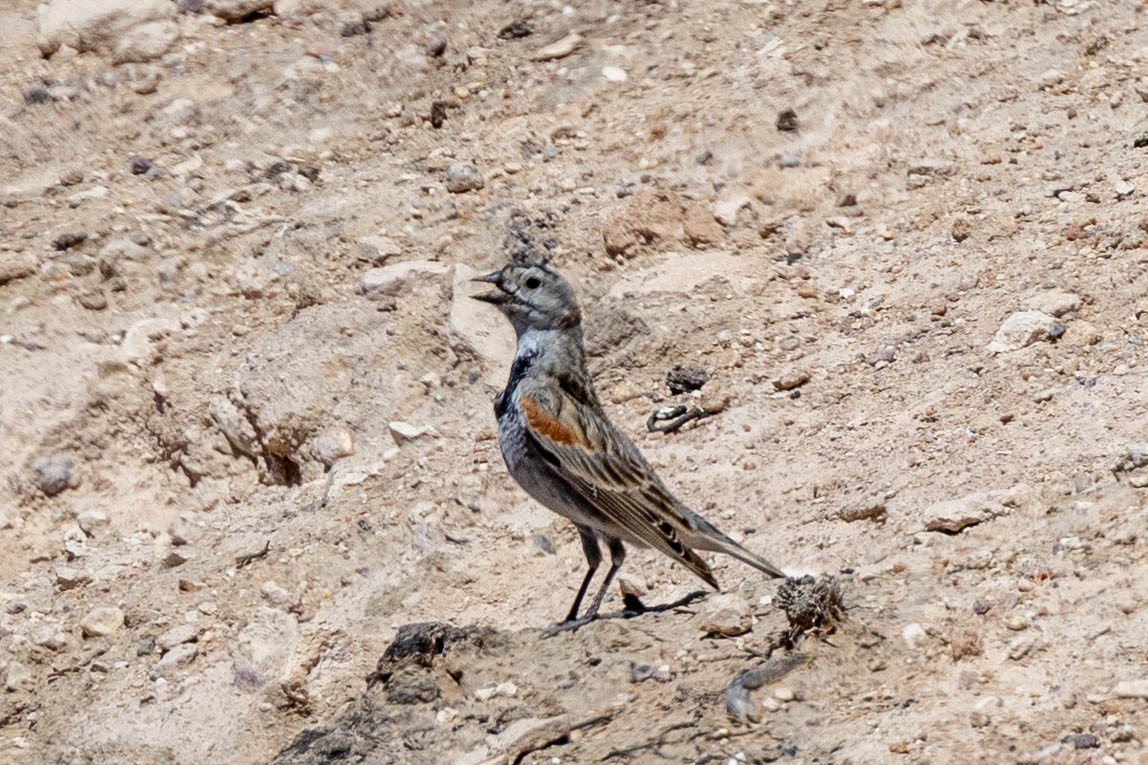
(547, 425)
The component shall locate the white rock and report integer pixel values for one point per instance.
(785, 694)
(176, 657)
(378, 249)
(726, 210)
(480, 326)
(68, 578)
(507, 689)
(614, 74)
(952, 516)
(1123, 188)
(137, 343)
(177, 635)
(91, 520)
(288, 7)
(404, 432)
(1021, 329)
(17, 677)
(560, 49)
(95, 25)
(52, 638)
(102, 621)
(389, 281)
(1131, 689)
(276, 594)
(914, 635)
(332, 445)
(528, 735)
(238, 430)
(1054, 302)
(146, 42)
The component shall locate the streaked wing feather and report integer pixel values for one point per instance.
(597, 461)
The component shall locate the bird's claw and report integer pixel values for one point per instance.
(570, 625)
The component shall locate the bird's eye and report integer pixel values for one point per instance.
(533, 283)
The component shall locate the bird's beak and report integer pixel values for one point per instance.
(497, 297)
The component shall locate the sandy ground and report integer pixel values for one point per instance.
(245, 403)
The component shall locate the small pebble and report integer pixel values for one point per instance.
(102, 621)
(791, 380)
(53, 474)
(462, 177)
(182, 633)
(614, 74)
(1017, 622)
(560, 49)
(914, 635)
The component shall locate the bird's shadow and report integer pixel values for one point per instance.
(632, 607)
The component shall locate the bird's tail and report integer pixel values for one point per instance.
(708, 537)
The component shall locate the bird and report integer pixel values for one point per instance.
(563, 450)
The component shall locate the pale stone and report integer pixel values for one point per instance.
(102, 621)
(95, 25)
(559, 49)
(178, 635)
(146, 42)
(1021, 329)
(404, 432)
(392, 280)
(480, 326)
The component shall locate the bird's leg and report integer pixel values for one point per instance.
(617, 557)
(593, 558)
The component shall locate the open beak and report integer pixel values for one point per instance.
(496, 297)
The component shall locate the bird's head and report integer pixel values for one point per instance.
(532, 297)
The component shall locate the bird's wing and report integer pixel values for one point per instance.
(606, 470)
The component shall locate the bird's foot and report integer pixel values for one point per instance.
(570, 625)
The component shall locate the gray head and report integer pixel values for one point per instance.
(532, 297)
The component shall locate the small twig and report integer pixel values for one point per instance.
(669, 420)
(737, 701)
(247, 558)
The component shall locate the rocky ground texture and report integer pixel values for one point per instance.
(252, 506)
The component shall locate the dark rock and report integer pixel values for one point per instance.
(353, 28)
(37, 96)
(639, 673)
(438, 114)
(684, 379)
(141, 166)
(69, 240)
(146, 646)
(1085, 741)
(787, 121)
(462, 177)
(53, 474)
(276, 169)
(516, 30)
(436, 45)
(412, 686)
